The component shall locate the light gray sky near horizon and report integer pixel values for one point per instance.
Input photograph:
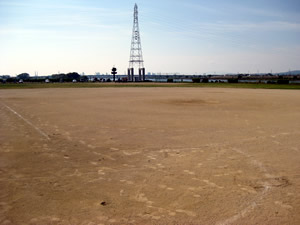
(191, 36)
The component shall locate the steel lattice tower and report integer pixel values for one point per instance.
(136, 55)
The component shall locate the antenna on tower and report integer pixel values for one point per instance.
(136, 55)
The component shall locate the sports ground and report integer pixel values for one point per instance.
(153, 155)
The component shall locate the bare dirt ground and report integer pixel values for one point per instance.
(149, 156)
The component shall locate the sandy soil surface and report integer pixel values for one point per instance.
(149, 156)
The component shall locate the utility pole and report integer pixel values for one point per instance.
(136, 55)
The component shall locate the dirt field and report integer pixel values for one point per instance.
(149, 156)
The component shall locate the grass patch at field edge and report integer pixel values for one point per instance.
(148, 85)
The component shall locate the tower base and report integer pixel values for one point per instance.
(132, 78)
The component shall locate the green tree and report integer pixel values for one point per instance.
(23, 76)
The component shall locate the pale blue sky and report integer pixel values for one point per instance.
(185, 36)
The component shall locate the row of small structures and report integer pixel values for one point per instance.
(271, 79)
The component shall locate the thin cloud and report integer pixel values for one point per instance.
(201, 8)
(228, 9)
(79, 8)
(262, 26)
(267, 13)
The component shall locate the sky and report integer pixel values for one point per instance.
(178, 36)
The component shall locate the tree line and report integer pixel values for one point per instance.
(25, 77)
